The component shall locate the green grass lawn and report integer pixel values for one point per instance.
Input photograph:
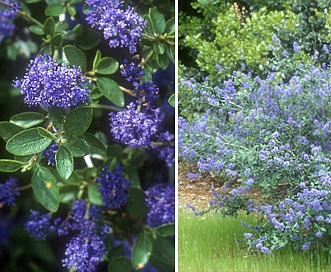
(208, 243)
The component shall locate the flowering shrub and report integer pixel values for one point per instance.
(95, 123)
(272, 136)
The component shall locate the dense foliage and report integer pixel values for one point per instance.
(265, 133)
(228, 33)
(87, 116)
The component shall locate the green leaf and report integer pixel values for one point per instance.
(49, 26)
(142, 250)
(27, 119)
(38, 30)
(96, 60)
(56, 114)
(45, 133)
(10, 165)
(88, 39)
(158, 48)
(8, 130)
(166, 230)
(133, 176)
(45, 188)
(172, 100)
(122, 264)
(170, 51)
(55, 9)
(163, 61)
(136, 203)
(170, 25)
(75, 56)
(157, 20)
(90, 144)
(149, 28)
(95, 94)
(163, 256)
(57, 40)
(72, 11)
(94, 195)
(78, 120)
(27, 142)
(45, 49)
(74, 148)
(64, 162)
(107, 66)
(110, 89)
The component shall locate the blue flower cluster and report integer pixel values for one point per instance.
(135, 128)
(39, 225)
(301, 219)
(272, 135)
(49, 84)
(113, 188)
(164, 148)
(122, 27)
(161, 202)
(86, 248)
(50, 152)
(9, 192)
(7, 16)
(147, 92)
(132, 71)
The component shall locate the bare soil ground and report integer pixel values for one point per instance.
(196, 192)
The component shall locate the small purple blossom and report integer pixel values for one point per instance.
(193, 175)
(122, 27)
(161, 202)
(319, 234)
(49, 84)
(248, 235)
(306, 245)
(9, 192)
(113, 187)
(135, 128)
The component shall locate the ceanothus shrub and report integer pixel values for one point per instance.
(272, 136)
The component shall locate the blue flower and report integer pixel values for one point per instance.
(248, 235)
(122, 27)
(319, 234)
(84, 252)
(165, 148)
(9, 192)
(147, 92)
(49, 84)
(39, 225)
(50, 152)
(135, 128)
(161, 202)
(306, 245)
(6, 19)
(132, 71)
(113, 187)
(193, 175)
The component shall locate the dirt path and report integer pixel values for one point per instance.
(196, 192)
